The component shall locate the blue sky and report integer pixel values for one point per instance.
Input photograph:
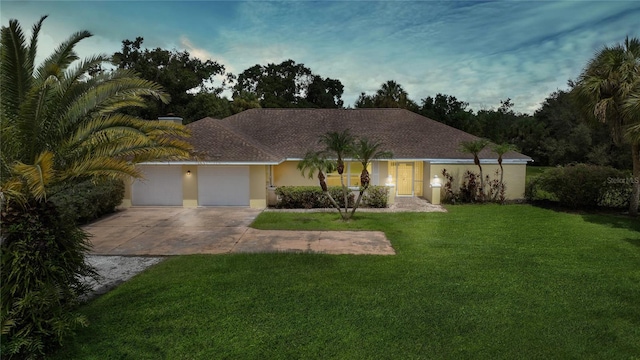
(479, 51)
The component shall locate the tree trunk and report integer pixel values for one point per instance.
(325, 190)
(335, 204)
(635, 156)
(357, 204)
(345, 192)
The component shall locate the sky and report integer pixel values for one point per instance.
(480, 52)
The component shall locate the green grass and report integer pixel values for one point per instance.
(479, 282)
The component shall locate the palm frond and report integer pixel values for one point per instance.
(15, 79)
(33, 45)
(37, 176)
(62, 57)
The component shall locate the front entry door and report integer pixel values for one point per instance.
(404, 178)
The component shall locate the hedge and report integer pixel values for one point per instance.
(88, 200)
(582, 186)
(309, 197)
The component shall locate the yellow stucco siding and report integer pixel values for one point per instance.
(286, 174)
(126, 201)
(258, 183)
(514, 176)
(189, 186)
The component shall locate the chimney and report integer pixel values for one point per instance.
(171, 117)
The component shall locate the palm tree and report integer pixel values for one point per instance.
(339, 145)
(475, 147)
(365, 150)
(500, 150)
(60, 125)
(315, 162)
(609, 90)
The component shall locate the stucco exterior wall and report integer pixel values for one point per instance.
(189, 186)
(258, 186)
(514, 176)
(286, 174)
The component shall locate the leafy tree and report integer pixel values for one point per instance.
(325, 93)
(289, 85)
(449, 110)
(60, 126)
(178, 72)
(244, 101)
(205, 104)
(605, 88)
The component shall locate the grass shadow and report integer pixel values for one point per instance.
(618, 221)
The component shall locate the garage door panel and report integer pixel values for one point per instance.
(223, 186)
(161, 186)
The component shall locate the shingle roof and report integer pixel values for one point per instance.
(270, 134)
(212, 141)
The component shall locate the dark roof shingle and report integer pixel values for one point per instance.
(269, 134)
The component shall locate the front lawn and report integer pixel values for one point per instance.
(479, 282)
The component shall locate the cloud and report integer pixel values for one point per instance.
(479, 51)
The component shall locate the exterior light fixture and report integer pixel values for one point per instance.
(188, 172)
(435, 182)
(389, 181)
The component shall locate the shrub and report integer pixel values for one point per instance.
(42, 266)
(376, 196)
(88, 200)
(308, 197)
(584, 186)
(470, 190)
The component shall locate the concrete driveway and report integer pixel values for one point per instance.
(148, 231)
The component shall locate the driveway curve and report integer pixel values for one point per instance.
(164, 231)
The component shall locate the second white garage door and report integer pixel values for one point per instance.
(223, 186)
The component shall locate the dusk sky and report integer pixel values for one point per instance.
(479, 51)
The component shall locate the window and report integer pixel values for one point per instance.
(351, 174)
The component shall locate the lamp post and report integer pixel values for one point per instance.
(391, 197)
(436, 184)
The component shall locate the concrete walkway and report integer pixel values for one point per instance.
(166, 231)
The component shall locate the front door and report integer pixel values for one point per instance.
(404, 178)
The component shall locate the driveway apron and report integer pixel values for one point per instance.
(161, 231)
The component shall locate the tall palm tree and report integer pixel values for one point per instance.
(475, 147)
(314, 162)
(60, 125)
(500, 150)
(392, 95)
(339, 145)
(609, 90)
(365, 150)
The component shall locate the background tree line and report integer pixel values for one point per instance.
(557, 133)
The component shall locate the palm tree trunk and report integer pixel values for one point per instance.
(345, 192)
(635, 194)
(335, 204)
(357, 204)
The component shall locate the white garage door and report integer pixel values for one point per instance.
(223, 185)
(162, 186)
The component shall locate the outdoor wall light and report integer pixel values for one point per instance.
(188, 172)
(435, 182)
(389, 181)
